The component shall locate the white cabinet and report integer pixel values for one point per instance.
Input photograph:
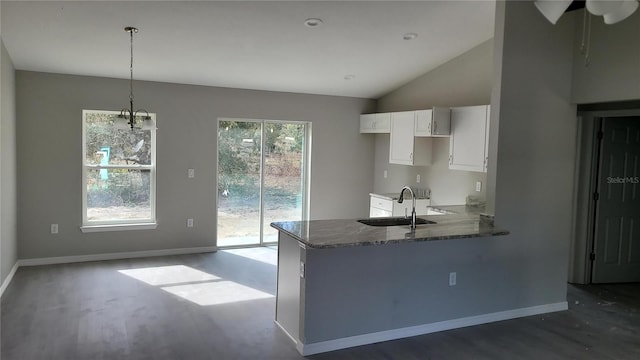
(404, 147)
(433, 122)
(469, 141)
(385, 207)
(379, 207)
(375, 123)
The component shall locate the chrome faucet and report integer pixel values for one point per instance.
(413, 208)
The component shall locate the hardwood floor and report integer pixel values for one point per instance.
(185, 307)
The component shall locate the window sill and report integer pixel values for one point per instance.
(118, 227)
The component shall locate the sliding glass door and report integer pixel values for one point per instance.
(262, 168)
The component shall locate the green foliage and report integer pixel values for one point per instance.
(122, 188)
(239, 158)
(125, 146)
(107, 145)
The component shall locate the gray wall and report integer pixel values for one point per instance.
(8, 212)
(612, 75)
(465, 80)
(536, 148)
(614, 67)
(49, 158)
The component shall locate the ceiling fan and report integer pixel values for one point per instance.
(613, 11)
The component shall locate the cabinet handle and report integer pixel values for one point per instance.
(435, 128)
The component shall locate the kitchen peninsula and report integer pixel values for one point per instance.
(342, 283)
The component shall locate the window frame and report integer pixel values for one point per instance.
(125, 224)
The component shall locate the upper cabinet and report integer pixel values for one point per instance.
(469, 142)
(405, 148)
(375, 123)
(433, 122)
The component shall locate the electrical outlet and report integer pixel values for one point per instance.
(189, 223)
(191, 173)
(452, 279)
(385, 174)
(54, 228)
(418, 178)
(478, 185)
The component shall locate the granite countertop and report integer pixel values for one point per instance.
(394, 196)
(462, 222)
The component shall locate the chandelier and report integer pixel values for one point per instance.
(613, 11)
(127, 117)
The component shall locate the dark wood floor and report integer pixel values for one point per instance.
(95, 311)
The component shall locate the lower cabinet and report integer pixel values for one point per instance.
(385, 207)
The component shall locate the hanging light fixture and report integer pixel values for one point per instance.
(127, 116)
(613, 11)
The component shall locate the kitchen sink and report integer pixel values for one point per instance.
(393, 221)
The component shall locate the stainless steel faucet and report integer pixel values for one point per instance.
(413, 207)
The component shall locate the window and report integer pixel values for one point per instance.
(118, 177)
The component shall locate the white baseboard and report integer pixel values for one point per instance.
(115, 256)
(287, 333)
(358, 340)
(8, 279)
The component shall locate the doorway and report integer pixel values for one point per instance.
(605, 243)
(262, 177)
(615, 252)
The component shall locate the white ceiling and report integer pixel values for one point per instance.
(241, 44)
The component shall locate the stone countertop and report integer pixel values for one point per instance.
(395, 196)
(463, 222)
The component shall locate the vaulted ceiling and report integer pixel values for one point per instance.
(358, 50)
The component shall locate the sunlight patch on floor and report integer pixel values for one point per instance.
(168, 275)
(216, 293)
(198, 286)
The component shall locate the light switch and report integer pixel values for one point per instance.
(189, 223)
(478, 185)
(191, 173)
(54, 228)
(385, 174)
(418, 178)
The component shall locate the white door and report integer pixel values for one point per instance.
(616, 255)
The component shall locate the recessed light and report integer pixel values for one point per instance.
(409, 36)
(313, 22)
(349, 77)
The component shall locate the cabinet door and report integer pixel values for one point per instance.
(468, 140)
(401, 139)
(375, 212)
(486, 139)
(441, 122)
(367, 122)
(423, 122)
(403, 209)
(375, 123)
(422, 206)
(383, 123)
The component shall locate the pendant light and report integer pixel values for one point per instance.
(127, 116)
(613, 11)
(625, 10)
(552, 9)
